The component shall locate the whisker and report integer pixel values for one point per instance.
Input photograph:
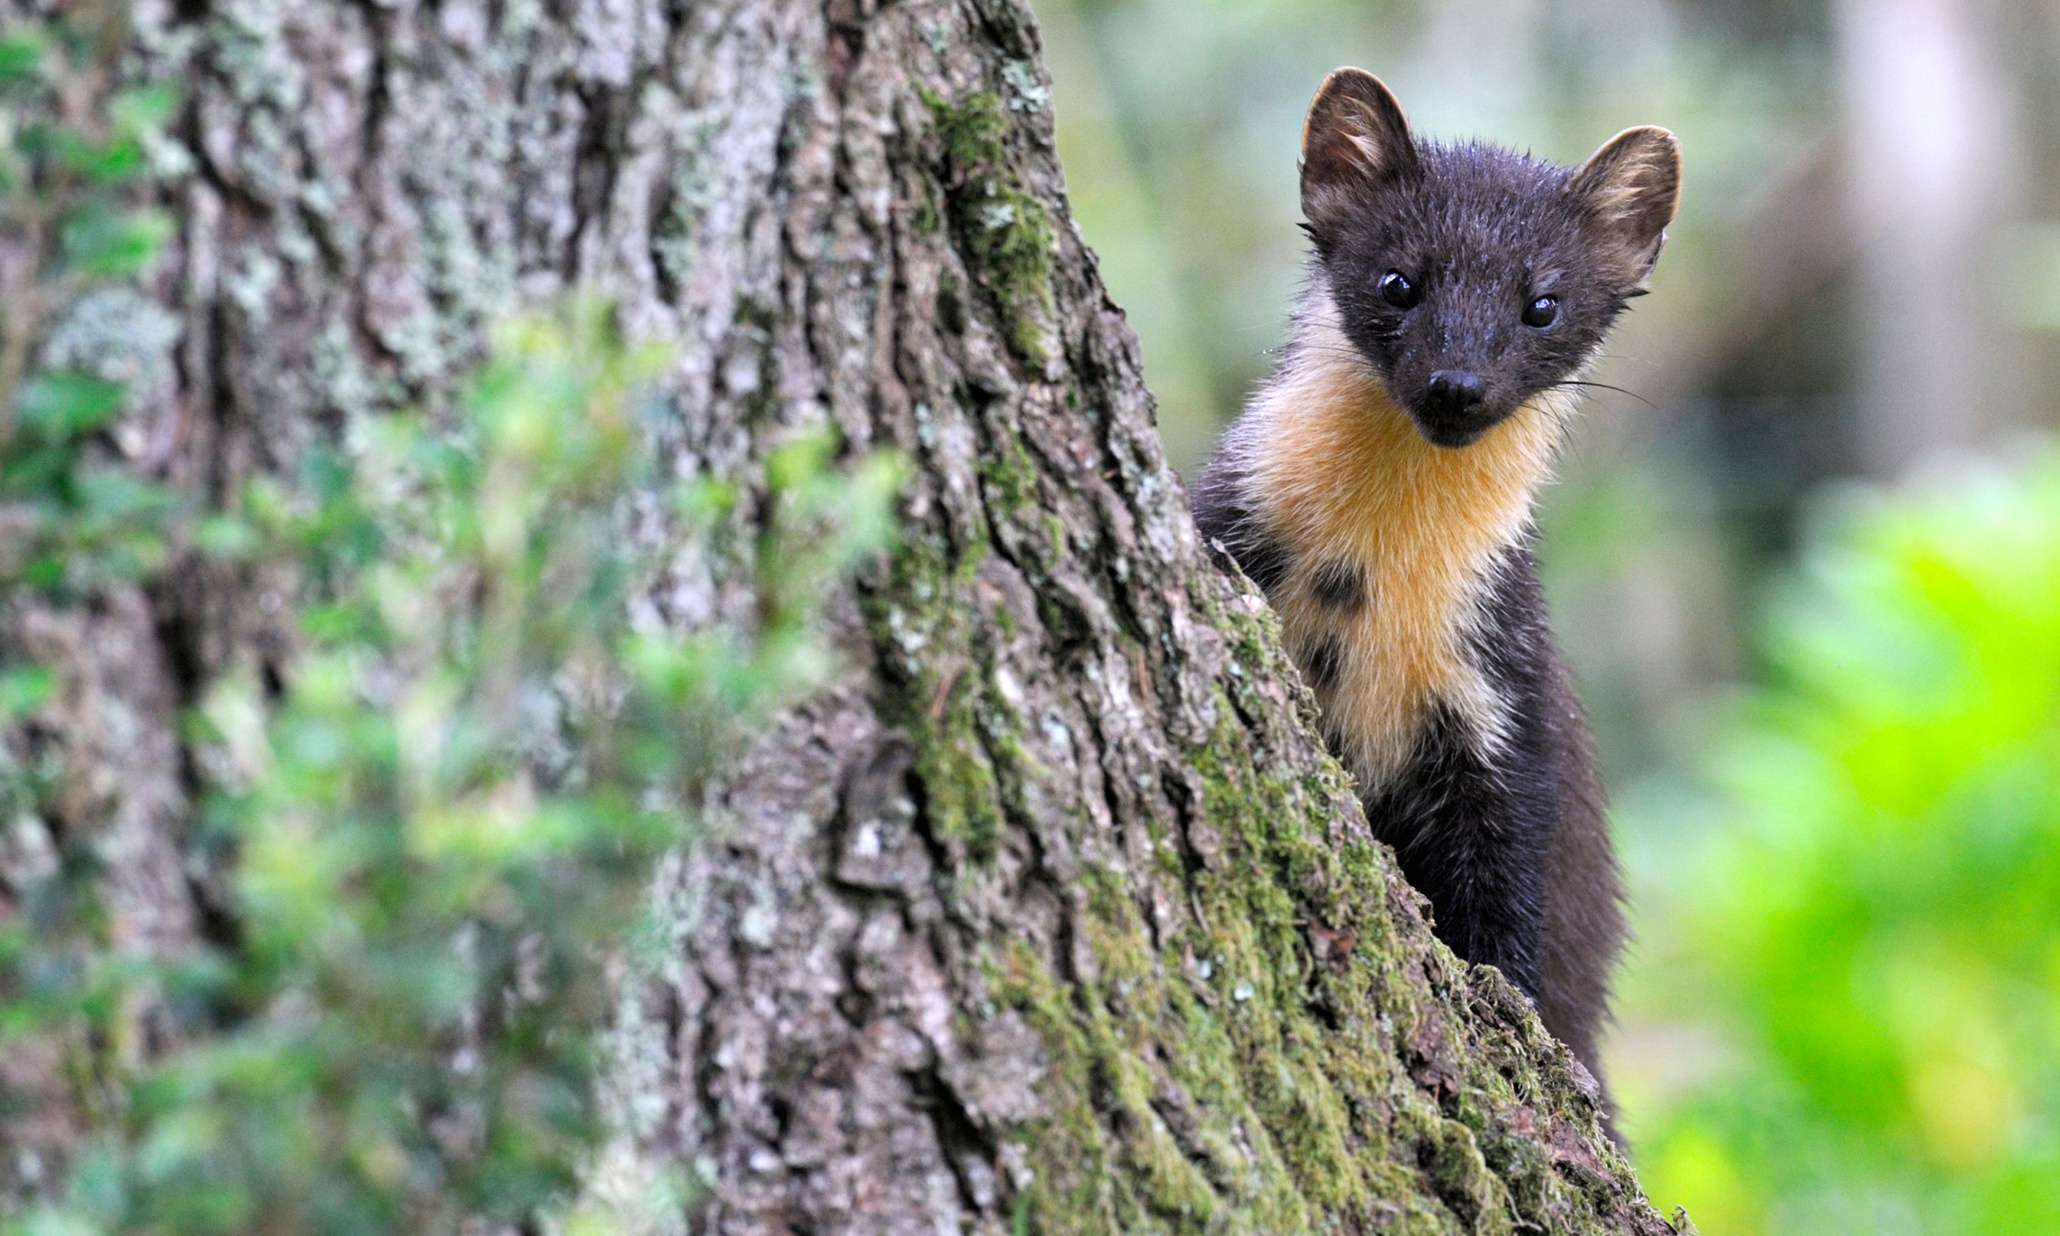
(1313, 348)
(1606, 387)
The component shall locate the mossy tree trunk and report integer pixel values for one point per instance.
(1053, 915)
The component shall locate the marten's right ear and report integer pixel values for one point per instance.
(1355, 140)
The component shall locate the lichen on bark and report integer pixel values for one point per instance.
(1053, 915)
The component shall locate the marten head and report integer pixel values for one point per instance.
(1472, 278)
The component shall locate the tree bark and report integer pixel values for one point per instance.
(1053, 914)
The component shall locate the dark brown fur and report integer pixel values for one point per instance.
(1388, 517)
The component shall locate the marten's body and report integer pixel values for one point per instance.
(1403, 576)
(1379, 490)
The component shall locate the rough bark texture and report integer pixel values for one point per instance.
(1054, 916)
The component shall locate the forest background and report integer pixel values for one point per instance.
(1806, 563)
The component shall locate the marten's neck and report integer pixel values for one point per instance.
(1393, 542)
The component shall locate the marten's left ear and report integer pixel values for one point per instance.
(1628, 191)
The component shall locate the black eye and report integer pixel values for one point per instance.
(1395, 288)
(1542, 312)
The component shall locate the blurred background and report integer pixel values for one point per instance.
(1808, 576)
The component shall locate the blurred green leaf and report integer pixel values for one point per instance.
(408, 859)
(102, 241)
(1876, 925)
(142, 109)
(429, 804)
(67, 403)
(21, 55)
(23, 688)
(225, 537)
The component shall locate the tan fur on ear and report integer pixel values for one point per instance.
(1631, 188)
(1355, 139)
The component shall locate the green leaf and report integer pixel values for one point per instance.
(23, 688)
(48, 1221)
(449, 788)
(143, 109)
(107, 162)
(225, 537)
(64, 404)
(1869, 937)
(101, 242)
(21, 55)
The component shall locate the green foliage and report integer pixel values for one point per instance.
(1873, 926)
(434, 811)
(441, 823)
(71, 177)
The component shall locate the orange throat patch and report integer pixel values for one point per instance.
(1344, 478)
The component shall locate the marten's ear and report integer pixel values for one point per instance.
(1627, 191)
(1355, 140)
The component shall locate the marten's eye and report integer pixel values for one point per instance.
(1395, 288)
(1542, 312)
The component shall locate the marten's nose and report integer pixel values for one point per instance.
(1455, 392)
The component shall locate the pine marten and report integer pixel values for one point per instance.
(1378, 488)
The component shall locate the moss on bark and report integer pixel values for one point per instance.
(1005, 230)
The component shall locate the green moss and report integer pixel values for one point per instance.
(921, 622)
(1008, 476)
(1224, 1080)
(1004, 231)
(1227, 1011)
(1011, 240)
(1004, 620)
(1009, 484)
(1221, 1016)
(1463, 1180)
(928, 220)
(972, 132)
(958, 778)
(1267, 835)
(1107, 1160)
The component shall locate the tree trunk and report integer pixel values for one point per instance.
(1053, 915)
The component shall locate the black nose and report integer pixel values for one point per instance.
(1456, 392)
